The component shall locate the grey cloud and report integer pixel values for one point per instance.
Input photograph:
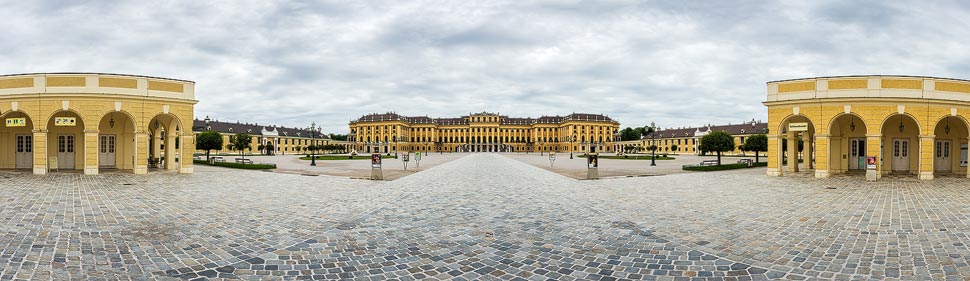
(673, 62)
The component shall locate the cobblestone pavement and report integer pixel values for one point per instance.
(480, 217)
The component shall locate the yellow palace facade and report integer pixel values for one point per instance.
(92, 122)
(483, 132)
(908, 125)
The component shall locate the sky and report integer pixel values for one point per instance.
(676, 63)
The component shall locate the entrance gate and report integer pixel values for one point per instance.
(857, 154)
(25, 151)
(65, 152)
(900, 155)
(941, 160)
(106, 151)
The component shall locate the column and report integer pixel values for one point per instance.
(141, 153)
(792, 152)
(91, 152)
(773, 154)
(823, 143)
(925, 162)
(957, 146)
(40, 152)
(874, 148)
(187, 148)
(170, 152)
(807, 150)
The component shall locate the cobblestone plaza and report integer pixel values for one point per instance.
(483, 216)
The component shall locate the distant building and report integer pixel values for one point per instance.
(483, 132)
(274, 139)
(688, 140)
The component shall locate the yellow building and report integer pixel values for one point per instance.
(687, 140)
(266, 139)
(911, 125)
(483, 132)
(92, 121)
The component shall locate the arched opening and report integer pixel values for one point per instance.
(65, 141)
(17, 141)
(116, 142)
(163, 142)
(796, 151)
(848, 145)
(900, 143)
(950, 146)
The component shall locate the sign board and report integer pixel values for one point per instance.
(406, 156)
(797, 127)
(871, 163)
(552, 156)
(592, 160)
(375, 160)
(65, 121)
(16, 122)
(417, 157)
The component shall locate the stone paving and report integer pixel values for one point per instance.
(483, 216)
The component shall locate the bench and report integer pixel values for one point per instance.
(218, 159)
(244, 161)
(708, 163)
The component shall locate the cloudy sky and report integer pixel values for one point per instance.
(674, 62)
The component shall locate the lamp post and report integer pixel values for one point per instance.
(653, 150)
(313, 156)
(571, 140)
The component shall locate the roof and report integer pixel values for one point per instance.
(746, 128)
(252, 129)
(504, 120)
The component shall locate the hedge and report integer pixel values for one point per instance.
(235, 165)
(628, 157)
(346, 157)
(724, 167)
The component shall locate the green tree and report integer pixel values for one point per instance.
(208, 141)
(673, 147)
(717, 141)
(756, 143)
(338, 137)
(652, 148)
(242, 142)
(261, 148)
(628, 134)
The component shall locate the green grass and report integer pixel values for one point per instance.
(346, 157)
(629, 157)
(235, 165)
(723, 167)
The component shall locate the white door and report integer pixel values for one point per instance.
(106, 151)
(65, 152)
(900, 155)
(941, 159)
(857, 154)
(25, 151)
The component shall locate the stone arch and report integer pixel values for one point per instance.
(901, 144)
(806, 155)
(950, 136)
(164, 131)
(17, 140)
(116, 144)
(66, 143)
(848, 143)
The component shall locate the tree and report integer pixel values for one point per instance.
(207, 141)
(242, 142)
(338, 137)
(673, 147)
(261, 148)
(652, 148)
(756, 143)
(628, 134)
(717, 141)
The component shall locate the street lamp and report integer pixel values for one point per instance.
(313, 157)
(571, 140)
(653, 137)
